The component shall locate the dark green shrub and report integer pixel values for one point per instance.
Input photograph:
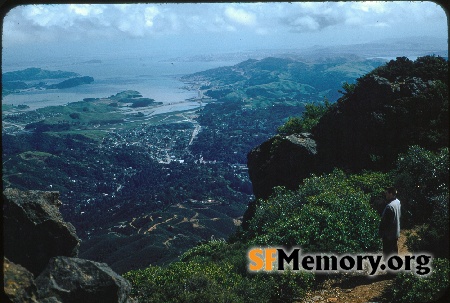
(374, 184)
(310, 117)
(216, 272)
(185, 282)
(285, 287)
(421, 177)
(293, 125)
(75, 115)
(433, 237)
(410, 288)
(327, 214)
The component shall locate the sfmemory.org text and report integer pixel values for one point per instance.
(278, 259)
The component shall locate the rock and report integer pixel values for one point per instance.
(18, 283)
(281, 161)
(34, 230)
(78, 280)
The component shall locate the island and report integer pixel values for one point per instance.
(34, 78)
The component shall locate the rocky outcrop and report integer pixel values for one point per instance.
(35, 229)
(77, 280)
(366, 129)
(281, 161)
(38, 242)
(18, 283)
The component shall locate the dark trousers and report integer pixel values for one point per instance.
(390, 247)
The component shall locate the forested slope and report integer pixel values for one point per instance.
(404, 105)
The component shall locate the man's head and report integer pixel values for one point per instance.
(391, 193)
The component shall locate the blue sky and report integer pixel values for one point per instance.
(203, 28)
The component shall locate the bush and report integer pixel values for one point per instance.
(75, 115)
(410, 288)
(433, 237)
(310, 117)
(185, 282)
(327, 214)
(210, 273)
(374, 184)
(421, 177)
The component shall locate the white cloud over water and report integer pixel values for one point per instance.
(59, 22)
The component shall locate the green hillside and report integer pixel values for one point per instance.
(35, 73)
(337, 211)
(269, 81)
(34, 78)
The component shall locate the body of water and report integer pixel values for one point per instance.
(154, 78)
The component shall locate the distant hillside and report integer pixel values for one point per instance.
(35, 73)
(72, 82)
(281, 80)
(31, 78)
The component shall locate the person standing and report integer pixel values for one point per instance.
(389, 229)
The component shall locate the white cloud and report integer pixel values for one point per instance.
(80, 9)
(150, 13)
(372, 6)
(36, 23)
(240, 16)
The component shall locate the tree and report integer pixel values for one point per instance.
(309, 119)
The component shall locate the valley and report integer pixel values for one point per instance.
(142, 186)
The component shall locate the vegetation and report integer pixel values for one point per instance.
(72, 82)
(339, 212)
(230, 130)
(309, 119)
(409, 287)
(422, 177)
(34, 73)
(262, 83)
(215, 272)
(142, 102)
(13, 82)
(390, 127)
(378, 118)
(329, 213)
(426, 67)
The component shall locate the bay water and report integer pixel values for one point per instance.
(153, 77)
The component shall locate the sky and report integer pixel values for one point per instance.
(224, 27)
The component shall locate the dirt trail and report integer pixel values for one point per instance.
(355, 288)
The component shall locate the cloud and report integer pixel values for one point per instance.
(34, 23)
(312, 17)
(150, 14)
(240, 16)
(307, 23)
(84, 9)
(371, 6)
